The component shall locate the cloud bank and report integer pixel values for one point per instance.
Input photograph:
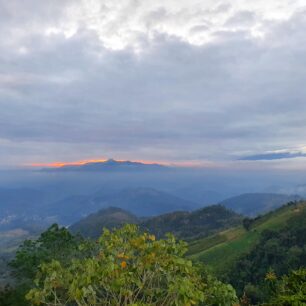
(154, 80)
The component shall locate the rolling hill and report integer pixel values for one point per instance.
(199, 223)
(25, 208)
(220, 251)
(145, 202)
(111, 217)
(182, 224)
(142, 202)
(252, 204)
(280, 250)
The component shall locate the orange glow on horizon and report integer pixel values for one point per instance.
(63, 164)
(181, 164)
(88, 161)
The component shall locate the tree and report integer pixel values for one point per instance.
(247, 222)
(217, 293)
(130, 268)
(291, 289)
(13, 296)
(54, 244)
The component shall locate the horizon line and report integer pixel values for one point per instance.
(60, 164)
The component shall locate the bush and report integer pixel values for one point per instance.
(129, 268)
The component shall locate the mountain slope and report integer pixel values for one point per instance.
(189, 225)
(139, 201)
(220, 251)
(146, 201)
(279, 250)
(251, 204)
(182, 224)
(111, 217)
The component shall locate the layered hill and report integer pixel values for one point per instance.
(221, 250)
(252, 204)
(198, 223)
(25, 208)
(142, 202)
(146, 201)
(182, 224)
(111, 217)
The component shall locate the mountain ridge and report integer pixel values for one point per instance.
(220, 250)
(183, 224)
(142, 202)
(108, 165)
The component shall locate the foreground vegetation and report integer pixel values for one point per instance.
(264, 260)
(123, 267)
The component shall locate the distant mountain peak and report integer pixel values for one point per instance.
(107, 165)
(111, 161)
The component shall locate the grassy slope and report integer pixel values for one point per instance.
(221, 250)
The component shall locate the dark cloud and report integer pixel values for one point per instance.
(274, 156)
(169, 99)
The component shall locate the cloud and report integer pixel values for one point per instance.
(274, 156)
(158, 80)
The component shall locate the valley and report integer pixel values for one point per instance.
(223, 237)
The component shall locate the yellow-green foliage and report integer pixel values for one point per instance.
(289, 290)
(128, 268)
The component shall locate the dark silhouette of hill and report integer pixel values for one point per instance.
(109, 165)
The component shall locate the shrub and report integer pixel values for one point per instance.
(129, 268)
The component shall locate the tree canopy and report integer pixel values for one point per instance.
(128, 267)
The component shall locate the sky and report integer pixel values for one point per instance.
(211, 83)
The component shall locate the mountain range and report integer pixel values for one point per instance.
(183, 224)
(142, 202)
(108, 165)
(28, 207)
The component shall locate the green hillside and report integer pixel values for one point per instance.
(220, 251)
(92, 225)
(183, 224)
(192, 225)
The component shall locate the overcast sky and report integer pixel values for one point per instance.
(185, 81)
